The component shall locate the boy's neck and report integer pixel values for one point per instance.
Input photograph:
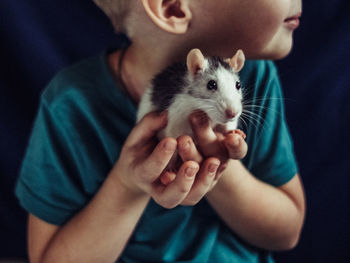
(137, 68)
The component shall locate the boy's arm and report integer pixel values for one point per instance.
(100, 231)
(265, 216)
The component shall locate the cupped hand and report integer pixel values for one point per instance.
(223, 145)
(143, 161)
(141, 167)
(212, 151)
(207, 176)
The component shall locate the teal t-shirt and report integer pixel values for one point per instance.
(82, 123)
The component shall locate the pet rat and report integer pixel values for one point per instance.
(209, 84)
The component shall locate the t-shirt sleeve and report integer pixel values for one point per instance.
(81, 125)
(271, 155)
(49, 185)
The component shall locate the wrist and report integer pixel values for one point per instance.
(125, 186)
(230, 178)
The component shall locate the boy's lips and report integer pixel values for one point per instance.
(292, 22)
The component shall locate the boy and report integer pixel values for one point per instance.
(90, 180)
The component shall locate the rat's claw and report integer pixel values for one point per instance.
(239, 132)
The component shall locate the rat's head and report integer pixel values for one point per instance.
(216, 84)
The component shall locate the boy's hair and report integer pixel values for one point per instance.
(117, 11)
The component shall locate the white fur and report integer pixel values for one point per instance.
(145, 105)
(184, 104)
(205, 65)
(229, 96)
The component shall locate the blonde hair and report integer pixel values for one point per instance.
(117, 11)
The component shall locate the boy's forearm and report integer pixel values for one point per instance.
(265, 216)
(101, 230)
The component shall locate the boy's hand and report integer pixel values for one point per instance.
(216, 147)
(143, 160)
(207, 176)
(223, 146)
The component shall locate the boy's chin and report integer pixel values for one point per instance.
(279, 51)
(281, 55)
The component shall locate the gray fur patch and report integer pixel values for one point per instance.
(167, 85)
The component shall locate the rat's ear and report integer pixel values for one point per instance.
(173, 16)
(195, 61)
(237, 61)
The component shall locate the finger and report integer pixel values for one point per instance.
(240, 132)
(158, 160)
(167, 177)
(188, 150)
(205, 136)
(236, 146)
(204, 181)
(174, 193)
(147, 128)
(220, 170)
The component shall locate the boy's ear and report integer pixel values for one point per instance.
(172, 16)
(237, 61)
(195, 61)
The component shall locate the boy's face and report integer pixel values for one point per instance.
(262, 28)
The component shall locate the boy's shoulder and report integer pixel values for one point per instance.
(259, 69)
(87, 78)
(259, 77)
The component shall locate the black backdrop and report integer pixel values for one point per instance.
(39, 38)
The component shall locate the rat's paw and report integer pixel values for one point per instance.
(239, 132)
(235, 144)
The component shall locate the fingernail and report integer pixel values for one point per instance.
(186, 145)
(213, 167)
(190, 171)
(170, 145)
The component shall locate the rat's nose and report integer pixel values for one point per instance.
(230, 114)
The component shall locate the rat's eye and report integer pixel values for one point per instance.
(238, 85)
(212, 85)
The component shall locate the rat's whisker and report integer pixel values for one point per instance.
(254, 120)
(256, 108)
(250, 117)
(247, 118)
(245, 123)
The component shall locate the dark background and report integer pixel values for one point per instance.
(40, 37)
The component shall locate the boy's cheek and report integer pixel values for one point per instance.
(239, 25)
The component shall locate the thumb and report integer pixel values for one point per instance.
(147, 127)
(204, 134)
